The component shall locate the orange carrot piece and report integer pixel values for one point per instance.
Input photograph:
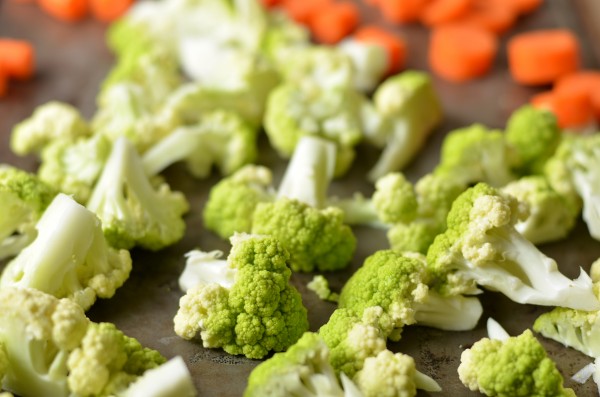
(438, 12)
(334, 22)
(302, 11)
(402, 11)
(3, 83)
(525, 6)
(496, 16)
(573, 109)
(542, 56)
(460, 52)
(17, 58)
(109, 10)
(586, 82)
(65, 10)
(394, 45)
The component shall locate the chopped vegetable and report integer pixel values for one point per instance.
(438, 12)
(109, 10)
(334, 22)
(402, 11)
(66, 10)
(394, 45)
(17, 58)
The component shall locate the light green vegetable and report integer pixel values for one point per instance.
(132, 211)
(23, 199)
(69, 257)
(481, 246)
(320, 286)
(248, 305)
(49, 122)
(369, 61)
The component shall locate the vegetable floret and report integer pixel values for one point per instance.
(481, 246)
(49, 122)
(172, 378)
(221, 138)
(320, 286)
(132, 211)
(303, 370)
(260, 312)
(551, 216)
(534, 134)
(23, 199)
(477, 154)
(399, 285)
(412, 108)
(232, 201)
(69, 257)
(517, 366)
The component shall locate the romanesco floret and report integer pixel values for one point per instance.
(551, 217)
(132, 211)
(412, 108)
(415, 236)
(517, 366)
(399, 285)
(534, 134)
(260, 312)
(69, 257)
(23, 199)
(476, 154)
(221, 138)
(481, 246)
(49, 122)
(303, 370)
(232, 201)
(320, 286)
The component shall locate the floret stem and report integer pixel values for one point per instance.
(427, 383)
(176, 146)
(452, 313)
(496, 331)
(358, 210)
(309, 172)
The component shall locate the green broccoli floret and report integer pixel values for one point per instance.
(303, 370)
(172, 378)
(49, 122)
(392, 375)
(399, 285)
(551, 217)
(23, 199)
(410, 104)
(516, 366)
(534, 134)
(482, 246)
(69, 257)
(132, 211)
(320, 286)
(316, 236)
(247, 306)
(74, 167)
(476, 154)
(232, 201)
(221, 138)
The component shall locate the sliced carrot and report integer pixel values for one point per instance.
(334, 22)
(3, 83)
(302, 11)
(394, 45)
(525, 6)
(17, 58)
(438, 12)
(573, 109)
(402, 11)
(460, 52)
(496, 16)
(109, 10)
(65, 10)
(586, 82)
(542, 56)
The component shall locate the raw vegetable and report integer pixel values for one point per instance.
(334, 21)
(587, 81)
(66, 10)
(109, 10)
(17, 58)
(402, 11)
(394, 45)
(438, 12)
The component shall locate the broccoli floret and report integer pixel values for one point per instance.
(172, 378)
(316, 237)
(551, 217)
(399, 285)
(258, 313)
(23, 199)
(534, 134)
(74, 167)
(303, 370)
(320, 286)
(133, 213)
(221, 138)
(482, 246)
(517, 366)
(476, 154)
(69, 257)
(410, 104)
(392, 375)
(49, 122)
(232, 201)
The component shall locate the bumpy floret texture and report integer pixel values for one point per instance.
(387, 375)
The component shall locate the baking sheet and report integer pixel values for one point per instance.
(72, 59)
